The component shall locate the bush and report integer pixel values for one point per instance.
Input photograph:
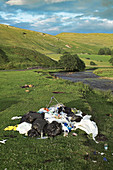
(10, 65)
(71, 62)
(3, 57)
(104, 51)
(111, 60)
(92, 63)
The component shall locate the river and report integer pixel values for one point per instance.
(87, 77)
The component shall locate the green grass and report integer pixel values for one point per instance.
(19, 58)
(15, 37)
(104, 72)
(54, 56)
(100, 60)
(87, 43)
(61, 152)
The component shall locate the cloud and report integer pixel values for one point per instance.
(53, 29)
(16, 2)
(55, 16)
(44, 21)
(21, 16)
(56, 22)
(55, 1)
(27, 2)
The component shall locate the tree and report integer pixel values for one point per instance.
(112, 52)
(111, 60)
(92, 63)
(107, 51)
(101, 51)
(104, 51)
(59, 51)
(71, 62)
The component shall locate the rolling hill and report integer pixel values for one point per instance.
(87, 43)
(24, 48)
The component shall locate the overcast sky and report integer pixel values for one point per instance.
(56, 16)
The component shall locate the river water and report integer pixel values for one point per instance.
(87, 77)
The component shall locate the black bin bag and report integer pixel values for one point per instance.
(31, 116)
(53, 129)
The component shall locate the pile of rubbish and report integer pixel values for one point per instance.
(53, 121)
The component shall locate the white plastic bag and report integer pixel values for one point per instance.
(24, 127)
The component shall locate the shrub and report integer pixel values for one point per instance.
(92, 63)
(3, 57)
(71, 62)
(111, 60)
(104, 51)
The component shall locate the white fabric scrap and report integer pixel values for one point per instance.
(16, 117)
(24, 127)
(3, 141)
(50, 120)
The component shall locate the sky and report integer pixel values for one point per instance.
(57, 16)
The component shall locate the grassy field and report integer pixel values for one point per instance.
(60, 153)
(99, 60)
(108, 73)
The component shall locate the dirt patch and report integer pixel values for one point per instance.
(108, 78)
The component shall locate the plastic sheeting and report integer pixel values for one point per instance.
(88, 126)
(24, 127)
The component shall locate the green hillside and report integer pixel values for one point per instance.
(44, 43)
(22, 48)
(18, 57)
(87, 43)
